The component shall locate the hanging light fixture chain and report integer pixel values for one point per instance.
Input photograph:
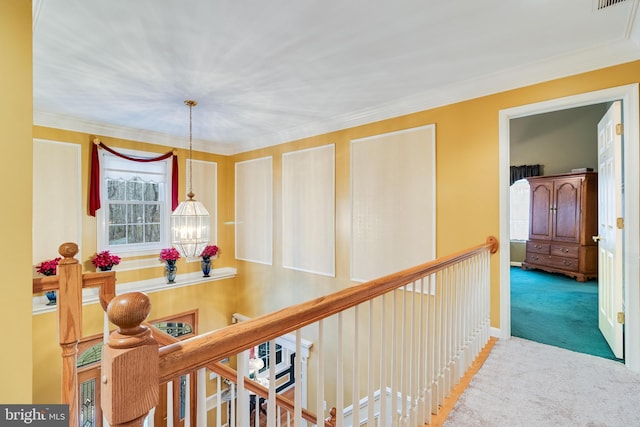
(191, 104)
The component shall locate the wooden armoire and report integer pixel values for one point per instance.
(563, 218)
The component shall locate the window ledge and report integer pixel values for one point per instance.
(157, 284)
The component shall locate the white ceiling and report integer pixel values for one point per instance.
(270, 71)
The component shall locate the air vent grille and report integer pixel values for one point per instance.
(601, 4)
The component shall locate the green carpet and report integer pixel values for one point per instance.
(557, 310)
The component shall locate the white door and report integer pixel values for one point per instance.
(610, 286)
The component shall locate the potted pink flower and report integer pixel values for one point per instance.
(208, 252)
(105, 261)
(170, 256)
(49, 267)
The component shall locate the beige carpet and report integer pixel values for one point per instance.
(524, 383)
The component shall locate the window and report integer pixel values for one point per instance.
(519, 210)
(135, 204)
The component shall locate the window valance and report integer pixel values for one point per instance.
(94, 184)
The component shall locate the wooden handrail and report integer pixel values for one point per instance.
(189, 355)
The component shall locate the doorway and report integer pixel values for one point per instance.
(629, 95)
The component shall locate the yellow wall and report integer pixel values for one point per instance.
(467, 185)
(215, 300)
(16, 112)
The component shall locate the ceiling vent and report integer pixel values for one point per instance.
(601, 4)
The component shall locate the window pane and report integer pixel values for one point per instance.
(135, 214)
(151, 191)
(88, 399)
(519, 210)
(152, 233)
(152, 213)
(115, 189)
(134, 204)
(117, 235)
(135, 234)
(134, 189)
(117, 213)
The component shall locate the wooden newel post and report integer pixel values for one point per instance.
(70, 325)
(130, 384)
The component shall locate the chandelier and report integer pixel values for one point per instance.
(190, 223)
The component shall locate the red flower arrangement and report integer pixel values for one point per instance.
(209, 251)
(48, 268)
(104, 260)
(170, 254)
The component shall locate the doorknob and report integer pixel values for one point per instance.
(596, 238)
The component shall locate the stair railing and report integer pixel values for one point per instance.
(401, 343)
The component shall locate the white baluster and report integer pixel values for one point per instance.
(242, 411)
(355, 377)
(271, 402)
(393, 363)
(219, 401)
(201, 403)
(371, 373)
(170, 404)
(299, 381)
(383, 364)
(339, 375)
(320, 382)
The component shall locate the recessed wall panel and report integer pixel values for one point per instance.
(57, 198)
(393, 202)
(254, 210)
(308, 210)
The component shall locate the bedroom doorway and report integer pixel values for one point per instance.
(629, 96)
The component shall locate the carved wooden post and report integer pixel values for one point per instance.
(70, 321)
(130, 384)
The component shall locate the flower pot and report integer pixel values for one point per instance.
(170, 271)
(52, 297)
(106, 268)
(206, 266)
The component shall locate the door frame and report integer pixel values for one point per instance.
(631, 200)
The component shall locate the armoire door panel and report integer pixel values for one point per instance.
(567, 211)
(540, 211)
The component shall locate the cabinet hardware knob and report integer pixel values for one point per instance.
(596, 238)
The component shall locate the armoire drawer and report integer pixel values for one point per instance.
(535, 258)
(537, 247)
(565, 263)
(565, 250)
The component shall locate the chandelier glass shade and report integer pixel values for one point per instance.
(190, 223)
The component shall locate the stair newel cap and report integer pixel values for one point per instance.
(68, 251)
(127, 312)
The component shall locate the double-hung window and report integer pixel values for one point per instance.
(135, 204)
